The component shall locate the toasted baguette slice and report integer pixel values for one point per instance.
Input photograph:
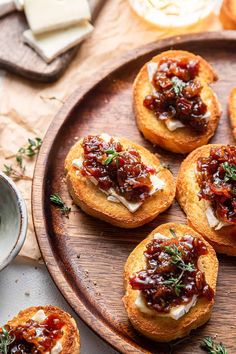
(228, 14)
(70, 340)
(223, 240)
(94, 202)
(166, 329)
(182, 140)
(232, 110)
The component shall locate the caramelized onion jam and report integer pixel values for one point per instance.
(35, 338)
(113, 166)
(177, 94)
(172, 276)
(216, 175)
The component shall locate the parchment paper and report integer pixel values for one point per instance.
(26, 109)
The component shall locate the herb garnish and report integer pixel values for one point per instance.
(178, 85)
(176, 258)
(57, 200)
(230, 171)
(173, 233)
(213, 348)
(29, 151)
(176, 283)
(5, 340)
(112, 154)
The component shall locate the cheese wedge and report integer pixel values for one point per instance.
(6, 6)
(49, 15)
(51, 45)
(19, 4)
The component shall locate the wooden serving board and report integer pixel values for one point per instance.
(20, 59)
(86, 256)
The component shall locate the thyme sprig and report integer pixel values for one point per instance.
(230, 170)
(176, 258)
(30, 150)
(211, 347)
(57, 200)
(16, 174)
(176, 283)
(5, 340)
(112, 155)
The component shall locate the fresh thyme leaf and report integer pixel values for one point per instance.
(176, 283)
(15, 174)
(173, 233)
(57, 200)
(177, 260)
(213, 348)
(178, 85)
(5, 340)
(112, 154)
(230, 171)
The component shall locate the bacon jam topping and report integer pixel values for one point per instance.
(112, 166)
(216, 175)
(177, 94)
(172, 276)
(34, 337)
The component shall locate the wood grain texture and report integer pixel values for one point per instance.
(20, 59)
(86, 256)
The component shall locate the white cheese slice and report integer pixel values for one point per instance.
(6, 6)
(173, 124)
(151, 68)
(51, 45)
(49, 15)
(19, 4)
(213, 221)
(39, 316)
(57, 348)
(159, 236)
(176, 312)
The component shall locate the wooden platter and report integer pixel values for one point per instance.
(20, 59)
(86, 256)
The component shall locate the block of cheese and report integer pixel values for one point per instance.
(49, 15)
(6, 6)
(19, 4)
(51, 45)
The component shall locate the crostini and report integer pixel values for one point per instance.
(206, 191)
(118, 181)
(228, 14)
(41, 330)
(232, 110)
(174, 105)
(170, 282)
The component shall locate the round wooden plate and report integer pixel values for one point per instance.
(86, 256)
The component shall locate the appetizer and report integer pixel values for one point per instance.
(174, 106)
(41, 330)
(206, 191)
(118, 181)
(232, 110)
(228, 14)
(170, 281)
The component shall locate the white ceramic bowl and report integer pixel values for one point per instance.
(13, 221)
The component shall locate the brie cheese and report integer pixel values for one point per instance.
(173, 124)
(39, 316)
(49, 15)
(6, 6)
(57, 348)
(51, 45)
(19, 4)
(213, 221)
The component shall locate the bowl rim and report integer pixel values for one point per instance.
(16, 247)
